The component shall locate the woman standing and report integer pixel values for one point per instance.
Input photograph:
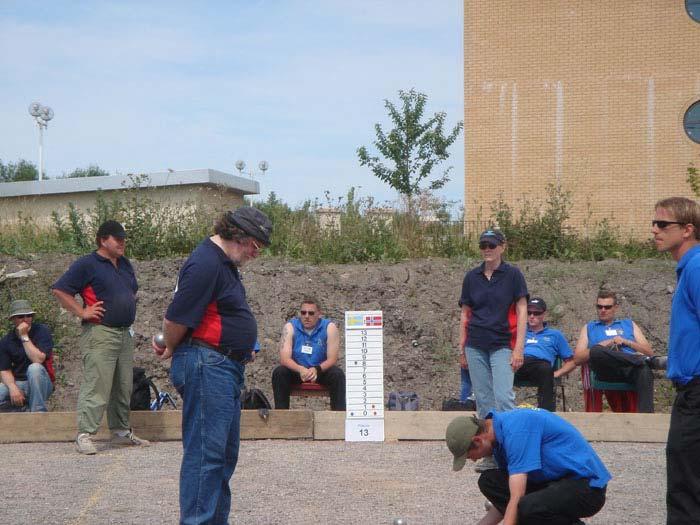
(492, 328)
(210, 332)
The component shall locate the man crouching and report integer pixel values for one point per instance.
(548, 473)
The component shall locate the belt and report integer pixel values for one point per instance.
(690, 384)
(233, 355)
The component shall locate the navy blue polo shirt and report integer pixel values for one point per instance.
(492, 305)
(95, 278)
(210, 300)
(12, 354)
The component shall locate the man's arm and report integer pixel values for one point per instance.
(173, 334)
(16, 395)
(516, 359)
(581, 351)
(567, 366)
(286, 343)
(516, 484)
(34, 354)
(464, 317)
(332, 347)
(640, 344)
(70, 303)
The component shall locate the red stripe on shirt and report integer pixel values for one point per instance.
(209, 329)
(513, 324)
(89, 298)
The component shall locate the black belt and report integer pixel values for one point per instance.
(233, 355)
(690, 384)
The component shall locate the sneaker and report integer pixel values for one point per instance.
(85, 445)
(657, 362)
(130, 440)
(487, 463)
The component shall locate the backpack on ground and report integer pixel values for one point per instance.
(141, 393)
(255, 399)
(403, 401)
(454, 404)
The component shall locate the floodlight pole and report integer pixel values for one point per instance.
(42, 115)
(41, 148)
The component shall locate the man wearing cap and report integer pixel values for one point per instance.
(543, 345)
(210, 332)
(617, 350)
(106, 283)
(547, 472)
(676, 229)
(492, 326)
(309, 353)
(26, 365)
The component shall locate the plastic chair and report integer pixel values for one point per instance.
(621, 396)
(558, 383)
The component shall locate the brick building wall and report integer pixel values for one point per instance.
(589, 94)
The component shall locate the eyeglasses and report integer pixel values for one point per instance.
(307, 312)
(664, 224)
(604, 306)
(536, 314)
(23, 316)
(489, 245)
(255, 245)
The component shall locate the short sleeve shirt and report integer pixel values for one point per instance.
(684, 335)
(211, 301)
(491, 302)
(12, 354)
(95, 278)
(546, 447)
(547, 344)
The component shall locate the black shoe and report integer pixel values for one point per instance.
(656, 362)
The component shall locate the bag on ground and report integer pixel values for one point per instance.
(403, 401)
(141, 392)
(254, 399)
(454, 404)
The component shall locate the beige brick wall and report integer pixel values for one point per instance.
(589, 94)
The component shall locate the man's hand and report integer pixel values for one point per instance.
(23, 329)
(93, 312)
(16, 395)
(308, 375)
(516, 359)
(463, 360)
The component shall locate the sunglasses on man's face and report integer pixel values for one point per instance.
(535, 313)
(24, 316)
(307, 312)
(665, 224)
(487, 245)
(604, 306)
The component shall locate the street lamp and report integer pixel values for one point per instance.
(42, 115)
(263, 166)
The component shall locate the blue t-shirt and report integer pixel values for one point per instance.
(12, 354)
(310, 349)
(210, 300)
(95, 278)
(547, 344)
(598, 331)
(492, 303)
(546, 447)
(684, 335)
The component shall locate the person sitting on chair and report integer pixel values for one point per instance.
(542, 347)
(308, 354)
(617, 350)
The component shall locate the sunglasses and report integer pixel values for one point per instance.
(307, 312)
(664, 224)
(23, 316)
(487, 245)
(536, 314)
(604, 306)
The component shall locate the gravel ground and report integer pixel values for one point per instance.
(280, 482)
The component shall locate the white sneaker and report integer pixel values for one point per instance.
(487, 463)
(85, 445)
(130, 440)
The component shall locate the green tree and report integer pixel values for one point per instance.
(92, 170)
(21, 171)
(412, 149)
(694, 179)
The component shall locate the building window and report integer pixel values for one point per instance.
(691, 122)
(693, 8)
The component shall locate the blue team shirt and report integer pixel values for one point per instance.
(684, 335)
(12, 354)
(492, 305)
(598, 331)
(210, 300)
(545, 447)
(95, 278)
(315, 342)
(547, 344)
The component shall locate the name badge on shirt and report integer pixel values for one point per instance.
(305, 349)
(610, 332)
(531, 342)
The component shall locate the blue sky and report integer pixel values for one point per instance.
(144, 86)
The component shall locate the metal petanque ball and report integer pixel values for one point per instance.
(159, 339)
(400, 521)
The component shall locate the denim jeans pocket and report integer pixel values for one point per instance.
(213, 358)
(178, 370)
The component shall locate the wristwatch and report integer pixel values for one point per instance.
(25, 338)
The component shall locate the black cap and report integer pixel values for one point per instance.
(112, 228)
(253, 222)
(493, 235)
(537, 304)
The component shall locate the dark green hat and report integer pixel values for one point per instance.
(458, 437)
(20, 307)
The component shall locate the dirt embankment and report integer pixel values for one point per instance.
(419, 301)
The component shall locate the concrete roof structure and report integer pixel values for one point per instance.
(161, 179)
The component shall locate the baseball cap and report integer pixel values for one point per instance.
(537, 304)
(458, 436)
(20, 307)
(253, 222)
(112, 228)
(493, 235)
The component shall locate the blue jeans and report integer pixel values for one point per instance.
(37, 389)
(466, 385)
(210, 386)
(492, 379)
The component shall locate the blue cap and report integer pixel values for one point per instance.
(493, 235)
